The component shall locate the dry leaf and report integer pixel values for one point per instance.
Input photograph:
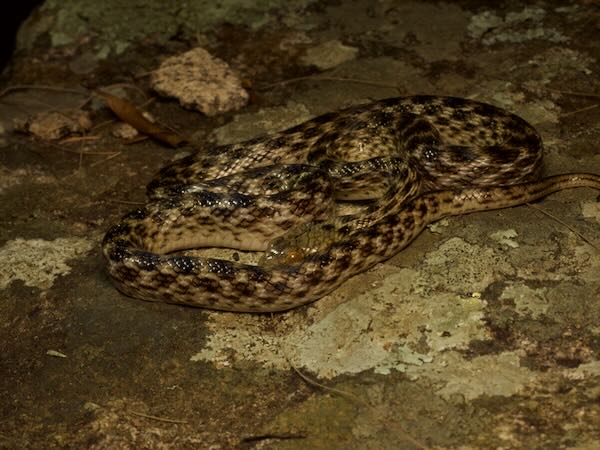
(132, 116)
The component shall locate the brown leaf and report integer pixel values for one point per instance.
(131, 115)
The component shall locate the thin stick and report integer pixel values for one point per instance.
(114, 155)
(577, 111)
(327, 78)
(78, 139)
(160, 419)
(282, 436)
(126, 202)
(127, 86)
(354, 398)
(573, 93)
(558, 91)
(79, 152)
(21, 87)
(566, 225)
(103, 124)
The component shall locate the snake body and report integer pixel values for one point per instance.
(421, 157)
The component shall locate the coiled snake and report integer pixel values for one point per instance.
(422, 157)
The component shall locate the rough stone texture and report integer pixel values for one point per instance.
(201, 82)
(329, 54)
(54, 125)
(484, 333)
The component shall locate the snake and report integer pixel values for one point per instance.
(405, 162)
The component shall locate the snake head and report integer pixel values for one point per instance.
(281, 253)
(299, 243)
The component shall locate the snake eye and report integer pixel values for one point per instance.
(293, 256)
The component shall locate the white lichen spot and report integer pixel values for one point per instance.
(528, 301)
(38, 262)
(506, 238)
(385, 329)
(591, 210)
(437, 227)
(452, 322)
(490, 375)
(356, 337)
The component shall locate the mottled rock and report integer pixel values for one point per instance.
(329, 54)
(53, 125)
(201, 82)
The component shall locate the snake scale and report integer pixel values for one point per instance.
(417, 158)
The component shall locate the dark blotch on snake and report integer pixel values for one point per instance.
(146, 260)
(183, 264)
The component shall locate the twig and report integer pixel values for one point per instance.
(566, 225)
(78, 139)
(262, 437)
(573, 93)
(79, 152)
(558, 91)
(126, 202)
(21, 87)
(356, 399)
(103, 124)
(136, 140)
(160, 419)
(577, 111)
(328, 78)
(114, 155)
(128, 86)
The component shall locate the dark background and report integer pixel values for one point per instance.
(10, 19)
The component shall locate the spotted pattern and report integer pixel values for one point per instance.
(422, 157)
